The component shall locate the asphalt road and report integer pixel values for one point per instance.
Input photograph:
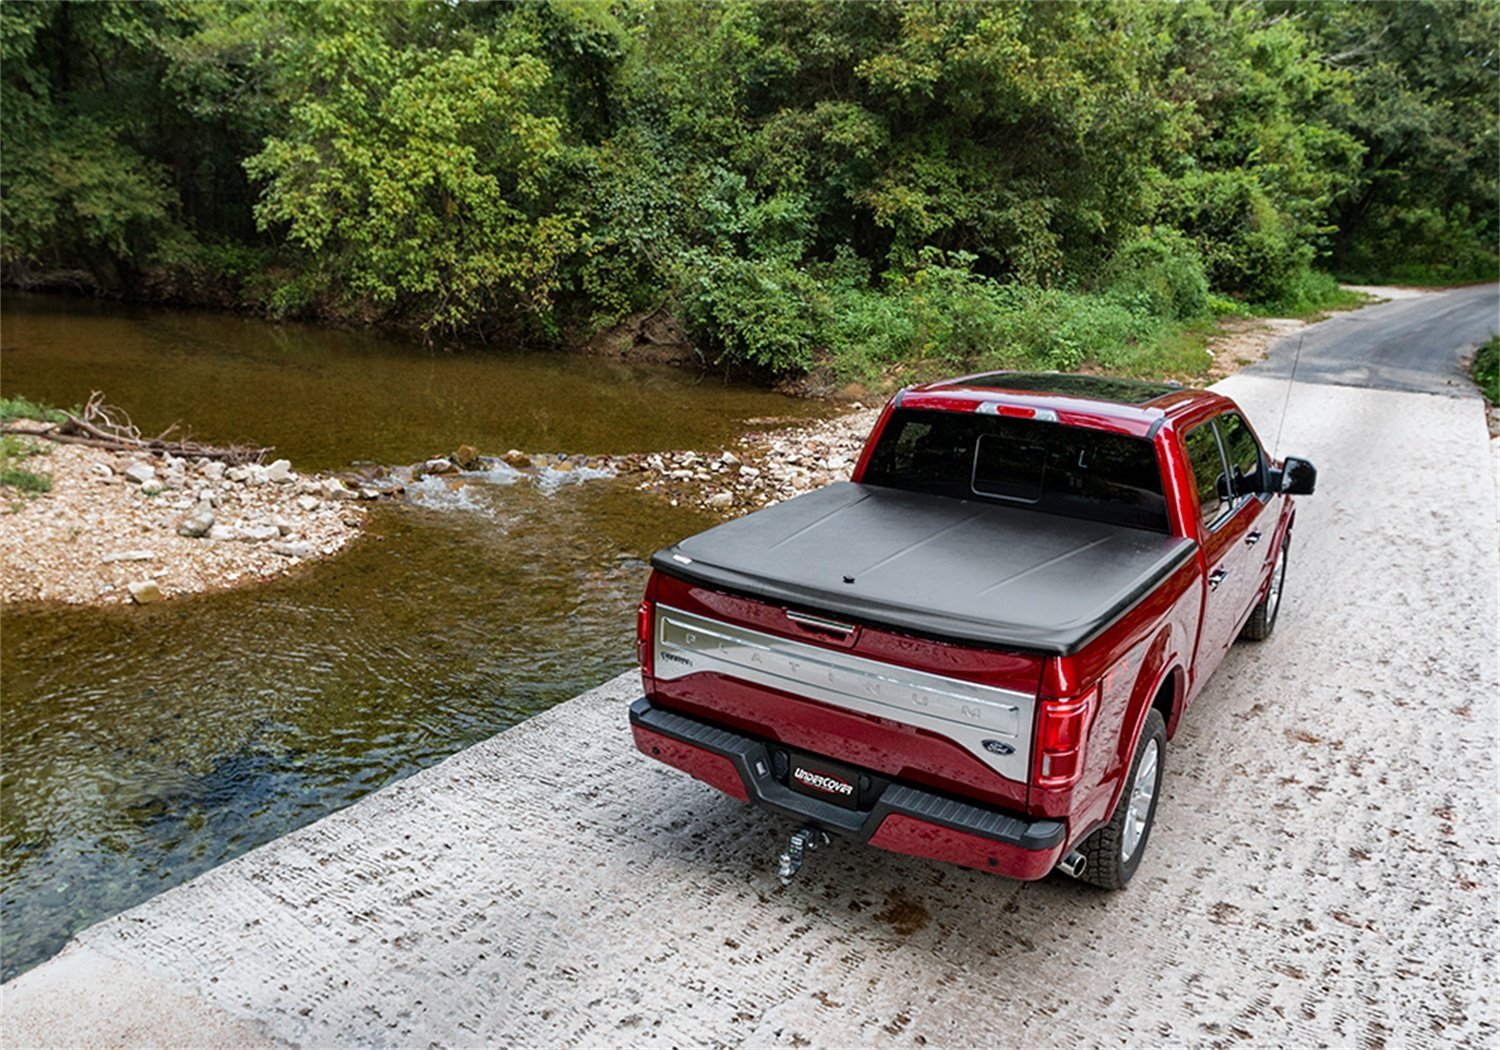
(1323, 868)
(1418, 344)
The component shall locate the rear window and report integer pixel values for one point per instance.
(1048, 467)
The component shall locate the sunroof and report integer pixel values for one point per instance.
(1098, 388)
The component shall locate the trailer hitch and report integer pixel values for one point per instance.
(802, 842)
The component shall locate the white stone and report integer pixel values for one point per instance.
(308, 503)
(289, 549)
(197, 524)
(129, 556)
(280, 472)
(140, 473)
(259, 533)
(144, 592)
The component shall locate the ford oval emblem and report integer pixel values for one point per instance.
(998, 747)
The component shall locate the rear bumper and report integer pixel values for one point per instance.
(905, 819)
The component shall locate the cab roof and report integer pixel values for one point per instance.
(1128, 406)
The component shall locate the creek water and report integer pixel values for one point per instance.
(143, 745)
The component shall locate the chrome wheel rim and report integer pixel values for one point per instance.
(1138, 809)
(1273, 605)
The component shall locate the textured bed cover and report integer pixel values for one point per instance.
(966, 570)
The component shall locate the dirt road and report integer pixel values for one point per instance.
(1323, 869)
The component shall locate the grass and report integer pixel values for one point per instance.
(1486, 369)
(14, 408)
(14, 452)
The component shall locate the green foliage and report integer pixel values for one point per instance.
(1422, 98)
(14, 408)
(1486, 370)
(15, 451)
(814, 181)
(417, 176)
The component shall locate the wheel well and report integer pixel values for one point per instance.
(1167, 696)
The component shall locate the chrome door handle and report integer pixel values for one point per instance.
(1216, 577)
(1252, 539)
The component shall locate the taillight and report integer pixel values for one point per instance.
(1061, 728)
(644, 618)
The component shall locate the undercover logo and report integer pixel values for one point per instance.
(822, 782)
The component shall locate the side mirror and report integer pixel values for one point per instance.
(1297, 477)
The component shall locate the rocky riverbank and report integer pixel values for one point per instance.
(118, 528)
(763, 468)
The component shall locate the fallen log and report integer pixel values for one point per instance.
(100, 426)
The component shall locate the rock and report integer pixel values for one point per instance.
(280, 472)
(102, 470)
(749, 472)
(365, 492)
(293, 550)
(223, 533)
(308, 503)
(144, 592)
(439, 466)
(467, 457)
(721, 501)
(331, 487)
(729, 459)
(196, 525)
(129, 556)
(259, 475)
(259, 533)
(517, 459)
(237, 474)
(282, 525)
(140, 473)
(152, 487)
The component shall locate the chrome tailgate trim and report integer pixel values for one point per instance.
(992, 724)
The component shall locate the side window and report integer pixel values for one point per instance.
(1208, 471)
(1242, 451)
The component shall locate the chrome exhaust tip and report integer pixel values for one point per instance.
(1073, 864)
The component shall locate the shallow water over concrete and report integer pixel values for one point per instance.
(145, 745)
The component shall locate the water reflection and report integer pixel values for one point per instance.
(145, 745)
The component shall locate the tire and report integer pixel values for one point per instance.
(1114, 851)
(1263, 618)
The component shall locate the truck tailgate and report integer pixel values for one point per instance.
(968, 570)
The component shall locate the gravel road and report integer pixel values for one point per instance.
(1323, 868)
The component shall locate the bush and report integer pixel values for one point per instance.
(943, 318)
(1486, 370)
(764, 312)
(1162, 272)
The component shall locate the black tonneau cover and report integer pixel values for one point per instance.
(966, 570)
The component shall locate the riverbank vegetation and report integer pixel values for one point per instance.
(855, 188)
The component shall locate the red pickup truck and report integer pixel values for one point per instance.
(976, 650)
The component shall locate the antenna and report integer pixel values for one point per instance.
(1296, 360)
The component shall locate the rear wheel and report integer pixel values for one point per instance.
(1114, 851)
(1263, 619)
